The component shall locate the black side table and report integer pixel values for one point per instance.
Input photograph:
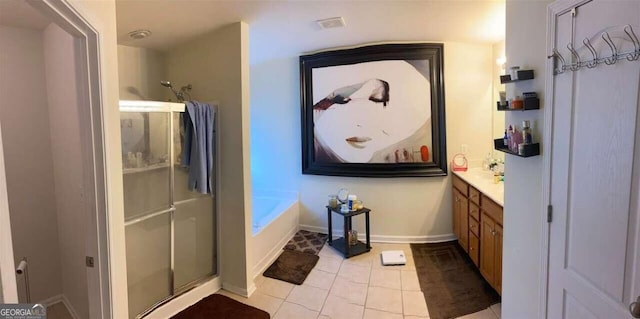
(342, 244)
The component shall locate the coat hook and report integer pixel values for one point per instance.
(594, 62)
(614, 51)
(574, 66)
(632, 56)
(562, 67)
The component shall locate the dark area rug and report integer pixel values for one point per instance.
(221, 307)
(306, 242)
(292, 266)
(451, 283)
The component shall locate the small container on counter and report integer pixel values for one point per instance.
(351, 199)
(333, 201)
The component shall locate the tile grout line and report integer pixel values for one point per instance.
(329, 291)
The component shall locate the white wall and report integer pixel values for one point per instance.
(140, 71)
(28, 160)
(523, 209)
(416, 209)
(62, 95)
(216, 64)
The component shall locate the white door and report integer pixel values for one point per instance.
(594, 262)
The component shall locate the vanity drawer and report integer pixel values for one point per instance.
(474, 211)
(461, 185)
(492, 209)
(474, 248)
(474, 195)
(474, 227)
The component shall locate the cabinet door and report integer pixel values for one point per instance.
(498, 260)
(474, 248)
(487, 248)
(456, 212)
(464, 223)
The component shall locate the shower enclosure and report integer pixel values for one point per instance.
(170, 231)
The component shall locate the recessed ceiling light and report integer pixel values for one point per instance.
(139, 34)
(335, 22)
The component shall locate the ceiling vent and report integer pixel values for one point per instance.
(139, 34)
(336, 22)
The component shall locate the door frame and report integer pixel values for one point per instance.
(7, 266)
(87, 49)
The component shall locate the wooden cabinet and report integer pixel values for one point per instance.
(461, 214)
(491, 251)
(477, 223)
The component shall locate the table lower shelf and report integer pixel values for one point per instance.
(357, 249)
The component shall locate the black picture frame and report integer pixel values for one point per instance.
(433, 53)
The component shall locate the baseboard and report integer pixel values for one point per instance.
(273, 254)
(239, 291)
(185, 300)
(61, 298)
(72, 311)
(51, 300)
(387, 238)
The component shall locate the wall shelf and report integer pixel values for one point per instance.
(529, 150)
(148, 168)
(523, 75)
(529, 104)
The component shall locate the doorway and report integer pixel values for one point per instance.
(54, 216)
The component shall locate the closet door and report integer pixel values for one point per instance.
(594, 261)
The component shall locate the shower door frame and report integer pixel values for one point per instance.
(89, 65)
(129, 106)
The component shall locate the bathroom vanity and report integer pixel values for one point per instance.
(477, 221)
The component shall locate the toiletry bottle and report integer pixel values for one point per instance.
(510, 137)
(517, 140)
(506, 139)
(487, 162)
(526, 132)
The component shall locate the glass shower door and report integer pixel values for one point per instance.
(170, 231)
(195, 243)
(148, 207)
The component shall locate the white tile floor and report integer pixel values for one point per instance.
(355, 288)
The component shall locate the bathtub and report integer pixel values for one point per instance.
(275, 218)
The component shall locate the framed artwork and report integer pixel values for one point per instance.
(374, 111)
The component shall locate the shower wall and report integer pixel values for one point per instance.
(217, 65)
(140, 71)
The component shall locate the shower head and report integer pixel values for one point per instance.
(180, 95)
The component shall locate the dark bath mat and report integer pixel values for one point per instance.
(292, 266)
(221, 307)
(451, 283)
(306, 242)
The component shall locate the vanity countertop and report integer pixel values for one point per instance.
(483, 181)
